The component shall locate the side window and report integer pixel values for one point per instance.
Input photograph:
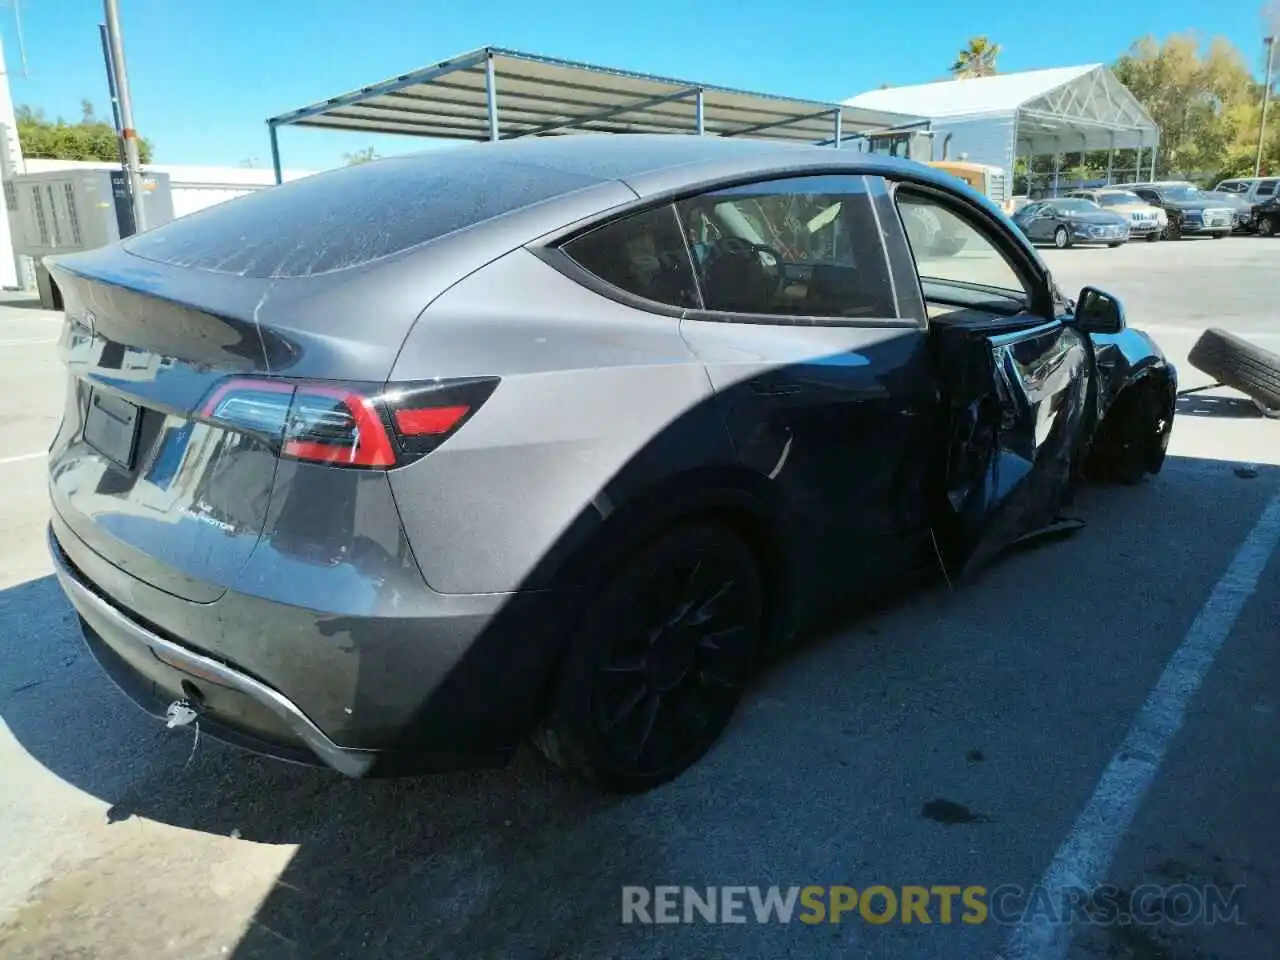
(950, 250)
(1148, 195)
(1267, 188)
(642, 254)
(801, 246)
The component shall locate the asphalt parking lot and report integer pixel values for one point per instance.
(1101, 709)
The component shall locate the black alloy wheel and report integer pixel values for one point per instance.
(656, 671)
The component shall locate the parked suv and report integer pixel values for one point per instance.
(1267, 216)
(1189, 209)
(555, 438)
(1243, 208)
(1145, 220)
(1253, 191)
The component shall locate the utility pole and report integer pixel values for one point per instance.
(111, 92)
(1266, 98)
(127, 132)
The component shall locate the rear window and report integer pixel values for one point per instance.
(353, 215)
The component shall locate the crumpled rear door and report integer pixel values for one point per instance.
(1017, 406)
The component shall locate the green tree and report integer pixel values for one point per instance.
(360, 156)
(977, 59)
(89, 139)
(1203, 100)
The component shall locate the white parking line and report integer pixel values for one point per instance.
(1085, 856)
(22, 457)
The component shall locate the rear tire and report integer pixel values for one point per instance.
(1114, 245)
(1237, 363)
(655, 671)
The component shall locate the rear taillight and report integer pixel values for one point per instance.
(348, 425)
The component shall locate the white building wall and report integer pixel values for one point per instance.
(985, 139)
(13, 271)
(193, 186)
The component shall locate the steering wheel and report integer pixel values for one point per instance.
(767, 257)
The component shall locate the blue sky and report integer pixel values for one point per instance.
(205, 75)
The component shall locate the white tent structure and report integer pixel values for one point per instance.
(997, 119)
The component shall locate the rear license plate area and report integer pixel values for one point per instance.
(111, 428)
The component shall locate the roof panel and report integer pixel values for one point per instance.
(1004, 93)
(1071, 108)
(543, 95)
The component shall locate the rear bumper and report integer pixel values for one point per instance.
(456, 690)
(154, 671)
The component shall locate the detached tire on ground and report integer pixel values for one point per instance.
(656, 669)
(1235, 362)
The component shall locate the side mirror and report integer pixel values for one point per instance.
(1099, 312)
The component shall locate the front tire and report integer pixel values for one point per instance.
(654, 673)
(1153, 236)
(1133, 438)
(1267, 226)
(1114, 245)
(1061, 238)
(1173, 230)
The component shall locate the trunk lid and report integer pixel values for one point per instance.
(179, 502)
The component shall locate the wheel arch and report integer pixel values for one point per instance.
(1116, 424)
(734, 496)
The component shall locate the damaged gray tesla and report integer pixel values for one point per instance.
(396, 467)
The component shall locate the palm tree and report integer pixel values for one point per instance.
(977, 59)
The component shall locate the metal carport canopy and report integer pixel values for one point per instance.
(494, 93)
(1062, 109)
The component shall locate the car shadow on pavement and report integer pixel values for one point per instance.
(380, 861)
(1203, 405)
(519, 862)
